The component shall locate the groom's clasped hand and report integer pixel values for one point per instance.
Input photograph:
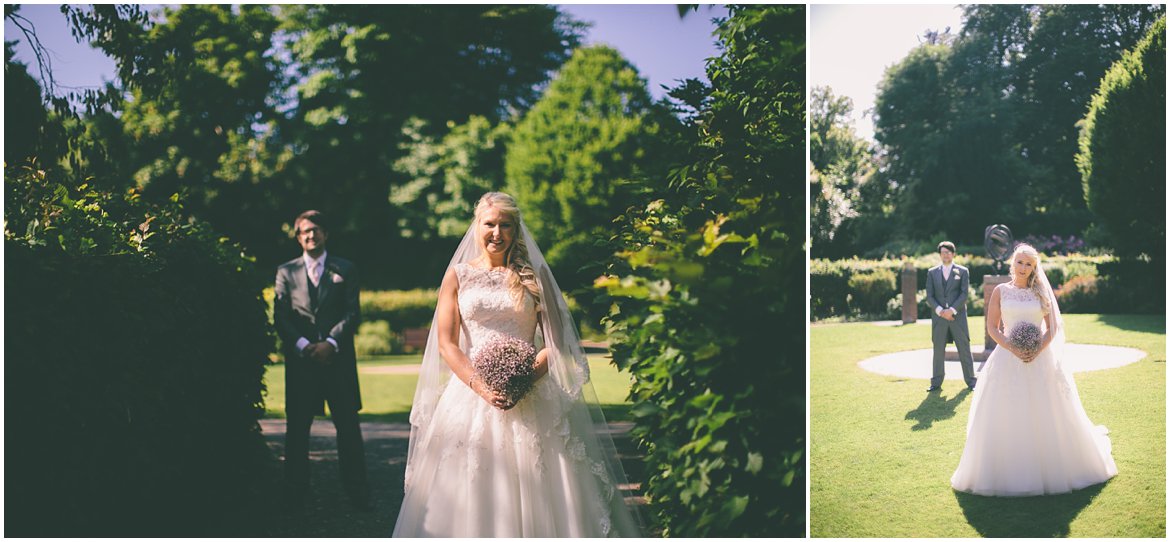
(321, 353)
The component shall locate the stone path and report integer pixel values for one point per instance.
(1077, 357)
(328, 514)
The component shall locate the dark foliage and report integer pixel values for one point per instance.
(709, 299)
(1123, 150)
(135, 347)
(983, 124)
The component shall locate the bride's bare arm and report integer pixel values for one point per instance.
(448, 321)
(1050, 320)
(995, 323)
(541, 364)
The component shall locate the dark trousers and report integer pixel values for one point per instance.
(350, 451)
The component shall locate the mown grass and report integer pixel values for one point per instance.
(387, 397)
(883, 450)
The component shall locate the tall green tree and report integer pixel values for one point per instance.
(574, 154)
(447, 174)
(362, 71)
(979, 129)
(709, 294)
(936, 136)
(841, 163)
(1067, 52)
(24, 110)
(1122, 156)
(259, 112)
(191, 112)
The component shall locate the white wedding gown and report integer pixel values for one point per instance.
(1027, 432)
(523, 472)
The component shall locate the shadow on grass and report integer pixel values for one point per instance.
(1030, 517)
(1144, 323)
(935, 408)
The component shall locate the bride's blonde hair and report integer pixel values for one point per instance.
(521, 278)
(1033, 284)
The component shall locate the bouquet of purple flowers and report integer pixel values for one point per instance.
(506, 365)
(1025, 337)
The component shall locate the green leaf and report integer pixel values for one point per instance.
(755, 462)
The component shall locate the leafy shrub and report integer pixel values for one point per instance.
(708, 295)
(1079, 295)
(830, 287)
(870, 292)
(1132, 286)
(1122, 157)
(138, 347)
(1055, 244)
(833, 296)
(375, 339)
(975, 301)
(894, 307)
(400, 309)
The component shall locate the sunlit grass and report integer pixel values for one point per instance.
(882, 450)
(387, 397)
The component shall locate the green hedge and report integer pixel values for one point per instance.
(398, 310)
(708, 296)
(858, 288)
(390, 312)
(401, 309)
(135, 349)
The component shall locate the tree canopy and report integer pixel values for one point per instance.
(574, 154)
(980, 127)
(254, 113)
(1123, 149)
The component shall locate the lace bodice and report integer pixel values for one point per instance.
(1019, 305)
(487, 307)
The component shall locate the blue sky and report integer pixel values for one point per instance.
(664, 47)
(850, 47)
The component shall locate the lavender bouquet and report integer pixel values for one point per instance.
(1025, 337)
(506, 365)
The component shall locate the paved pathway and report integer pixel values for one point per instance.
(1077, 357)
(327, 513)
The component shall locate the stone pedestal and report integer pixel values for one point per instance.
(909, 293)
(989, 284)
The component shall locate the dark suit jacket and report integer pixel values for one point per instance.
(336, 314)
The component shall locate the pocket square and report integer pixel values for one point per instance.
(337, 278)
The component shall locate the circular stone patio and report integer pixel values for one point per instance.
(1078, 358)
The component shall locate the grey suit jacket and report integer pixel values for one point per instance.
(336, 314)
(951, 293)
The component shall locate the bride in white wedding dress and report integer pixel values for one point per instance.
(479, 465)
(1027, 432)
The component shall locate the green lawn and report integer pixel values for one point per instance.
(387, 397)
(883, 451)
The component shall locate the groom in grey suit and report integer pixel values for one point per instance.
(316, 313)
(946, 292)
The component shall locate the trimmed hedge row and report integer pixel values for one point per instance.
(857, 288)
(135, 351)
(387, 314)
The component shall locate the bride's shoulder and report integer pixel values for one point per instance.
(1002, 289)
